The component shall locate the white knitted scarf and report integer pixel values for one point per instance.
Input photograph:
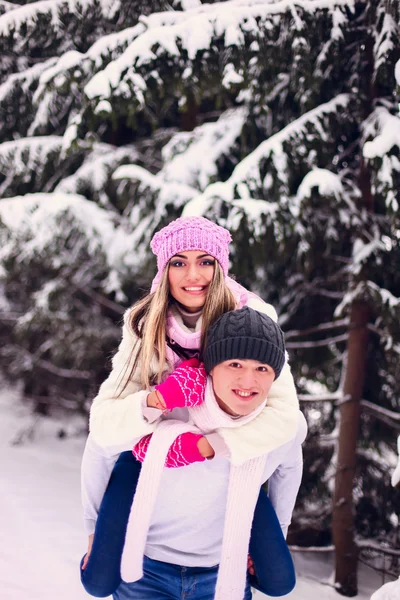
(243, 490)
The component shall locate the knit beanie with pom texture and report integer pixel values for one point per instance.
(191, 233)
(245, 333)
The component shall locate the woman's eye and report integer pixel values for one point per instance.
(208, 263)
(177, 263)
(235, 365)
(263, 369)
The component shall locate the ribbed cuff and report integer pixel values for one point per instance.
(218, 445)
(89, 525)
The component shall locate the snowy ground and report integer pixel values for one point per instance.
(40, 516)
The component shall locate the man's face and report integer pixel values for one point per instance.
(241, 385)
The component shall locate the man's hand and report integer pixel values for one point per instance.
(90, 544)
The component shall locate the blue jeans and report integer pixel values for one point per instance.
(273, 563)
(164, 581)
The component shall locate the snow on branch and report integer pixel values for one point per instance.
(96, 170)
(97, 56)
(36, 218)
(388, 126)
(25, 153)
(384, 127)
(386, 34)
(24, 79)
(193, 31)
(328, 184)
(28, 14)
(173, 193)
(368, 291)
(37, 159)
(248, 183)
(6, 6)
(211, 141)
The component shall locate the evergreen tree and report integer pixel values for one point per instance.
(279, 121)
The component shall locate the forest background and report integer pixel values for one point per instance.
(279, 120)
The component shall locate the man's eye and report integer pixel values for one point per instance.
(235, 365)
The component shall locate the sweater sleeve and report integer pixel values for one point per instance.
(117, 419)
(284, 483)
(96, 469)
(276, 425)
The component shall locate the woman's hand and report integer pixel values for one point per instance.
(90, 544)
(184, 387)
(205, 448)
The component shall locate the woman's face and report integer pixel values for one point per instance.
(241, 385)
(189, 276)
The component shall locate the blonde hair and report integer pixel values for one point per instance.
(148, 322)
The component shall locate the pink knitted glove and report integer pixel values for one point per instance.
(185, 386)
(183, 450)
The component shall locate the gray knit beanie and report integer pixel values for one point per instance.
(245, 333)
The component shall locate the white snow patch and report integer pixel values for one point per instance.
(328, 184)
(29, 13)
(389, 591)
(389, 136)
(396, 473)
(37, 213)
(397, 72)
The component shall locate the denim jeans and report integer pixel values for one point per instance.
(164, 581)
(275, 575)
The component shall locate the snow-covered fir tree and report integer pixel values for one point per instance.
(279, 120)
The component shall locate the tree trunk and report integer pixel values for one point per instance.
(343, 524)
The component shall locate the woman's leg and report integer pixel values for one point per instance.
(102, 574)
(273, 564)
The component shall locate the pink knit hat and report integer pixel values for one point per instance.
(191, 233)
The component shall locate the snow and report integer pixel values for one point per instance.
(366, 289)
(245, 178)
(396, 473)
(38, 213)
(28, 14)
(397, 72)
(211, 141)
(194, 28)
(41, 523)
(95, 170)
(389, 591)
(328, 184)
(388, 137)
(385, 40)
(7, 5)
(25, 78)
(362, 251)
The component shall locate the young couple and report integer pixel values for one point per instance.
(182, 513)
